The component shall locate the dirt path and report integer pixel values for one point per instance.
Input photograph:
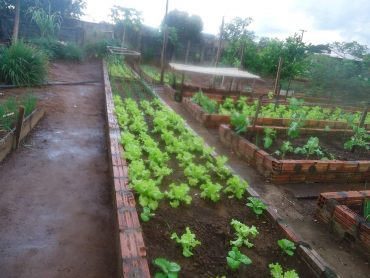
(299, 214)
(56, 215)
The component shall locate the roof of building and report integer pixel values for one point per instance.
(216, 71)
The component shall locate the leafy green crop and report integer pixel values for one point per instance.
(360, 139)
(208, 105)
(235, 258)
(256, 205)
(188, 242)
(286, 147)
(146, 214)
(243, 234)
(287, 246)
(211, 191)
(236, 187)
(277, 272)
(239, 122)
(178, 193)
(270, 135)
(169, 269)
(195, 174)
(310, 148)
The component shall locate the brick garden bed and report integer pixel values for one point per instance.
(8, 141)
(215, 120)
(294, 171)
(337, 211)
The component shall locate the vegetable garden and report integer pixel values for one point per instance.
(198, 218)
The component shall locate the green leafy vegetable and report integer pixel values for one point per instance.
(256, 205)
(235, 258)
(146, 214)
(277, 272)
(169, 269)
(236, 187)
(243, 234)
(270, 135)
(178, 193)
(188, 242)
(287, 246)
(239, 122)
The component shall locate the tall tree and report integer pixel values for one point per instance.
(16, 21)
(126, 18)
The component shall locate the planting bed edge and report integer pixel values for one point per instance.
(8, 141)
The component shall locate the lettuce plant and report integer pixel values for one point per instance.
(270, 135)
(168, 269)
(146, 214)
(287, 246)
(236, 187)
(188, 242)
(239, 122)
(256, 205)
(235, 258)
(277, 271)
(211, 191)
(243, 234)
(178, 193)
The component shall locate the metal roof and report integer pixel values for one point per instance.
(216, 71)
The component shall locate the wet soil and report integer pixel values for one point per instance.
(331, 145)
(211, 224)
(56, 212)
(300, 214)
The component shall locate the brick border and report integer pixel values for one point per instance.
(294, 171)
(8, 141)
(131, 249)
(280, 124)
(333, 209)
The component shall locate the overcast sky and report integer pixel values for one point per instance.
(325, 20)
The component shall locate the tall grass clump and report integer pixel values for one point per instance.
(23, 65)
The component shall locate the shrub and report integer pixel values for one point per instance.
(99, 49)
(23, 65)
(58, 50)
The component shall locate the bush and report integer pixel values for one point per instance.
(23, 65)
(99, 49)
(58, 50)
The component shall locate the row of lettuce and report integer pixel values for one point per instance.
(151, 164)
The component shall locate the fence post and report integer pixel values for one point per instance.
(18, 128)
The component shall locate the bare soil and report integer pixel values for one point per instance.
(339, 254)
(56, 213)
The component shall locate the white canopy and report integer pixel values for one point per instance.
(219, 71)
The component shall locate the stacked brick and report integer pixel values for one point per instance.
(334, 209)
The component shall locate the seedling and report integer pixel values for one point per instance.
(188, 242)
(243, 234)
(287, 246)
(277, 272)
(169, 269)
(146, 214)
(256, 205)
(310, 148)
(285, 148)
(235, 258)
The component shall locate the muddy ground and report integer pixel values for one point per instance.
(56, 213)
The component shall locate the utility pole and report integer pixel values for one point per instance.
(218, 54)
(302, 32)
(164, 46)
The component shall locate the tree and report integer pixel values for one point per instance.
(352, 48)
(16, 21)
(126, 18)
(239, 39)
(188, 29)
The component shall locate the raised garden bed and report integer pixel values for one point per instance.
(281, 171)
(214, 120)
(7, 140)
(343, 213)
(209, 221)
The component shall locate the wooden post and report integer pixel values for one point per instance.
(364, 114)
(164, 46)
(277, 80)
(18, 129)
(257, 112)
